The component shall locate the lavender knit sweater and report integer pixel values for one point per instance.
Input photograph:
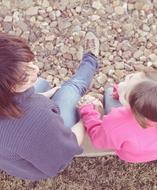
(37, 145)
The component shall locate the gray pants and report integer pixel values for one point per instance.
(109, 102)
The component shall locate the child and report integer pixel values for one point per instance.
(130, 130)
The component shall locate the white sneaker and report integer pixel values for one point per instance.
(92, 44)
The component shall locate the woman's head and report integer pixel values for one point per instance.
(141, 95)
(15, 63)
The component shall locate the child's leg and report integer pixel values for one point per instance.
(71, 91)
(41, 85)
(109, 102)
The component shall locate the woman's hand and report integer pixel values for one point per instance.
(50, 92)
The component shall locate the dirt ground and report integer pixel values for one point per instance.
(55, 30)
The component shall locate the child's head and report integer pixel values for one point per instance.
(141, 95)
(15, 64)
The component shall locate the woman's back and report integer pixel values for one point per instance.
(33, 146)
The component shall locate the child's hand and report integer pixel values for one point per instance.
(87, 99)
(50, 92)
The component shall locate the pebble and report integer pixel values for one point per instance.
(138, 54)
(97, 5)
(95, 17)
(119, 10)
(119, 65)
(32, 11)
(63, 72)
(50, 38)
(8, 19)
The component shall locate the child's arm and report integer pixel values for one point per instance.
(99, 131)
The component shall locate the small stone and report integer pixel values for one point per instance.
(40, 65)
(155, 64)
(138, 54)
(25, 35)
(149, 64)
(49, 38)
(78, 9)
(63, 24)
(58, 13)
(7, 26)
(119, 10)
(111, 72)
(95, 17)
(119, 65)
(102, 78)
(22, 25)
(45, 3)
(18, 31)
(60, 5)
(56, 82)
(67, 56)
(6, 3)
(52, 15)
(49, 46)
(32, 11)
(16, 16)
(97, 5)
(77, 28)
(8, 19)
(76, 37)
(128, 67)
(130, 6)
(119, 74)
(49, 9)
(49, 78)
(21, 4)
(146, 28)
(63, 72)
(153, 57)
(145, 5)
(139, 67)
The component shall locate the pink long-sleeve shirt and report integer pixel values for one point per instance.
(121, 132)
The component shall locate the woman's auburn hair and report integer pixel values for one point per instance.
(143, 99)
(13, 52)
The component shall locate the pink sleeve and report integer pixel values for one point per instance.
(98, 129)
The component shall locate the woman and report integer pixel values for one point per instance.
(36, 140)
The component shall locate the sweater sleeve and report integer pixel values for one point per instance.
(50, 146)
(100, 131)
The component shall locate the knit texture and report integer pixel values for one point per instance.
(37, 145)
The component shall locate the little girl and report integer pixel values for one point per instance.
(130, 130)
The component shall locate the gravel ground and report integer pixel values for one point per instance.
(55, 29)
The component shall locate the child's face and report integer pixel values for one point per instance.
(124, 88)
